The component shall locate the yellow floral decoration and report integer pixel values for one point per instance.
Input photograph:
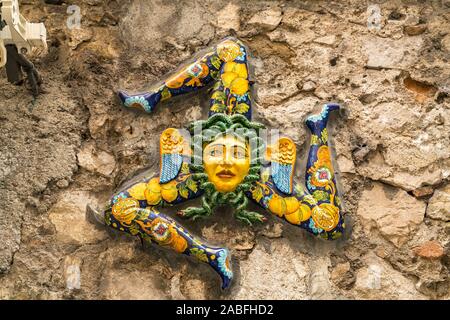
(125, 210)
(323, 156)
(228, 50)
(322, 170)
(326, 216)
(165, 234)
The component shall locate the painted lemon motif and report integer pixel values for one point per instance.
(283, 206)
(239, 86)
(239, 69)
(169, 191)
(138, 191)
(152, 192)
(228, 50)
(303, 213)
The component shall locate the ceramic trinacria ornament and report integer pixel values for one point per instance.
(226, 163)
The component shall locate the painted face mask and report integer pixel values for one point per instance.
(226, 162)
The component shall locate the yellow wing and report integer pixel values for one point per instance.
(172, 147)
(282, 156)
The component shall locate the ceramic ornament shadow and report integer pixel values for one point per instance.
(225, 162)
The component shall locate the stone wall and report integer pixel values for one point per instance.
(75, 145)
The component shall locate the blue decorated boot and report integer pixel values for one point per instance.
(316, 123)
(143, 101)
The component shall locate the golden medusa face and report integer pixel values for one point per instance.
(226, 161)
